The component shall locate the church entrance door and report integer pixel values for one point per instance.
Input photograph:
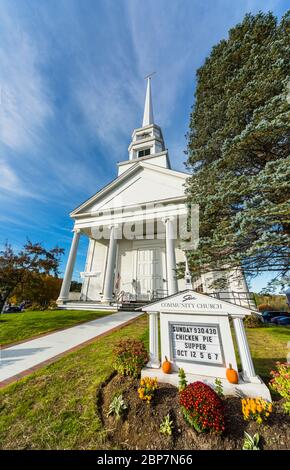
(149, 272)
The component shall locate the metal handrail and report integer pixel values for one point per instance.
(236, 298)
(120, 296)
(159, 294)
(243, 299)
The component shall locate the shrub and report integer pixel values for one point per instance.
(117, 406)
(52, 305)
(166, 426)
(130, 356)
(218, 386)
(147, 389)
(182, 382)
(256, 409)
(280, 383)
(253, 321)
(271, 301)
(202, 408)
(265, 307)
(35, 307)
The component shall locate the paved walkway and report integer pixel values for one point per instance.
(23, 358)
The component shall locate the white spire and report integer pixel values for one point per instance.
(187, 275)
(148, 108)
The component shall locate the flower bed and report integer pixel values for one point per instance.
(130, 356)
(139, 428)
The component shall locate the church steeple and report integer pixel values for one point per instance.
(148, 108)
(147, 142)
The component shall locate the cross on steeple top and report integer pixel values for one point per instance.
(149, 75)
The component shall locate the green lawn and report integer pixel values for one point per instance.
(56, 407)
(268, 345)
(20, 326)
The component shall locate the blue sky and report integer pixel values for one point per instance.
(72, 91)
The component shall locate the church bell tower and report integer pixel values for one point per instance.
(147, 141)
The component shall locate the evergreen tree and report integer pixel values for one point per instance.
(239, 149)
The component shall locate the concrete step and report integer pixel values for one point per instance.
(132, 306)
(126, 308)
(87, 306)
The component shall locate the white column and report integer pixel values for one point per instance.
(244, 351)
(170, 257)
(111, 261)
(65, 287)
(153, 341)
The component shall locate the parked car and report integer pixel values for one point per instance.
(285, 321)
(268, 315)
(14, 308)
(276, 319)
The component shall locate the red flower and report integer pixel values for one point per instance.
(203, 407)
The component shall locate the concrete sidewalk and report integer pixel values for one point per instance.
(23, 358)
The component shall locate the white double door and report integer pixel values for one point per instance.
(149, 271)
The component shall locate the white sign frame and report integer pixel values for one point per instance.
(201, 308)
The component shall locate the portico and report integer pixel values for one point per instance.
(141, 268)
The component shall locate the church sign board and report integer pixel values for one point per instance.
(195, 333)
(196, 342)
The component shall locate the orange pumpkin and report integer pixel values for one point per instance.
(232, 375)
(166, 366)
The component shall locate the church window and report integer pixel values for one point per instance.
(143, 153)
(199, 288)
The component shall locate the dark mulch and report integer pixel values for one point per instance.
(139, 427)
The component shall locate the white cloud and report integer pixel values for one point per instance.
(10, 183)
(8, 179)
(159, 45)
(109, 102)
(24, 102)
(103, 105)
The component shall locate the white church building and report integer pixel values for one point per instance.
(132, 227)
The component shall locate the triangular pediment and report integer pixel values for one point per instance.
(192, 302)
(142, 183)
